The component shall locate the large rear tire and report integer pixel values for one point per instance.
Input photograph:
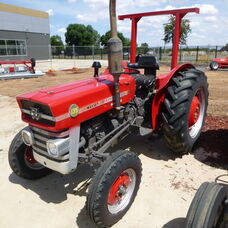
(113, 188)
(184, 110)
(208, 208)
(22, 162)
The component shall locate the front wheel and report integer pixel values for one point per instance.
(113, 188)
(22, 162)
(209, 207)
(214, 65)
(184, 110)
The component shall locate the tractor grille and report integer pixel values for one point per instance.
(40, 139)
(43, 112)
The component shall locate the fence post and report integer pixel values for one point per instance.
(216, 51)
(93, 52)
(197, 53)
(50, 54)
(160, 54)
(74, 54)
(101, 50)
(180, 53)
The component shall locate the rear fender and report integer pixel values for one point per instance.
(161, 84)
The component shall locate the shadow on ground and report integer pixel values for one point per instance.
(55, 187)
(175, 223)
(151, 146)
(212, 148)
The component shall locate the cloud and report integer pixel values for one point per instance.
(71, 1)
(207, 9)
(86, 18)
(61, 30)
(50, 12)
(210, 19)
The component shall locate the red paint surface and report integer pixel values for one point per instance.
(82, 93)
(113, 196)
(29, 156)
(223, 62)
(194, 111)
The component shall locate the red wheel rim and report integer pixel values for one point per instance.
(118, 189)
(194, 111)
(29, 156)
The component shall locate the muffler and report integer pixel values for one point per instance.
(115, 54)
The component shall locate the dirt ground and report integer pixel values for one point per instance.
(168, 183)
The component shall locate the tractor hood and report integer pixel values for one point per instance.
(50, 108)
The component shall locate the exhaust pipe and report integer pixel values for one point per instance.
(115, 54)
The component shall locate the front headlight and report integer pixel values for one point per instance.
(27, 137)
(58, 147)
(52, 149)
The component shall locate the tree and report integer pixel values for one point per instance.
(169, 30)
(104, 39)
(57, 45)
(225, 48)
(144, 48)
(81, 35)
(56, 41)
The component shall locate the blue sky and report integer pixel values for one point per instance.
(208, 28)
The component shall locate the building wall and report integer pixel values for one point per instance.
(26, 26)
(37, 45)
(22, 23)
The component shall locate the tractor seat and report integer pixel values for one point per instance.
(148, 63)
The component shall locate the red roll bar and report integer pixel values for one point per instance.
(179, 14)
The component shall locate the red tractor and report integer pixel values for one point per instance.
(219, 63)
(76, 123)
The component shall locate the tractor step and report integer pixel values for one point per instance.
(145, 131)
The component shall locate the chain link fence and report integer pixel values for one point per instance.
(65, 57)
(200, 54)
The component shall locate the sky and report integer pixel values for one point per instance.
(210, 27)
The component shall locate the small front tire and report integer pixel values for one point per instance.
(22, 162)
(113, 188)
(214, 65)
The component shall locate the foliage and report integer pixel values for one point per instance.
(81, 35)
(225, 48)
(56, 41)
(104, 39)
(144, 48)
(57, 45)
(169, 30)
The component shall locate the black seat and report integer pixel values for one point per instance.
(148, 63)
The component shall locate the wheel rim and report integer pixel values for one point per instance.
(215, 65)
(121, 191)
(29, 159)
(196, 114)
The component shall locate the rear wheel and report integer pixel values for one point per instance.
(209, 207)
(214, 65)
(22, 162)
(113, 188)
(184, 110)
